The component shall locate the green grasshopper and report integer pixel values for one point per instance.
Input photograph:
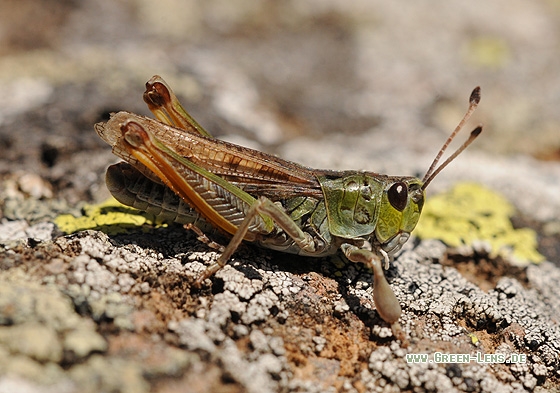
(176, 169)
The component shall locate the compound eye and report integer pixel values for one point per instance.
(398, 196)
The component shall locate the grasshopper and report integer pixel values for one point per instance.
(177, 170)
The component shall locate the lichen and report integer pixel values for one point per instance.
(470, 213)
(110, 217)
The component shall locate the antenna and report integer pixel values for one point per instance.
(474, 99)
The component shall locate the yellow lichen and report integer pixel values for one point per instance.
(488, 51)
(470, 213)
(474, 339)
(110, 217)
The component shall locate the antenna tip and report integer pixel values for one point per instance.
(474, 99)
(476, 132)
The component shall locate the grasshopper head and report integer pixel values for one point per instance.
(399, 211)
(403, 198)
(384, 209)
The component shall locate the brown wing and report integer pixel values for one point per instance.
(255, 172)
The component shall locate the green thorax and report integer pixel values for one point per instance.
(362, 204)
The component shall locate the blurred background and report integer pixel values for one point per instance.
(373, 85)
